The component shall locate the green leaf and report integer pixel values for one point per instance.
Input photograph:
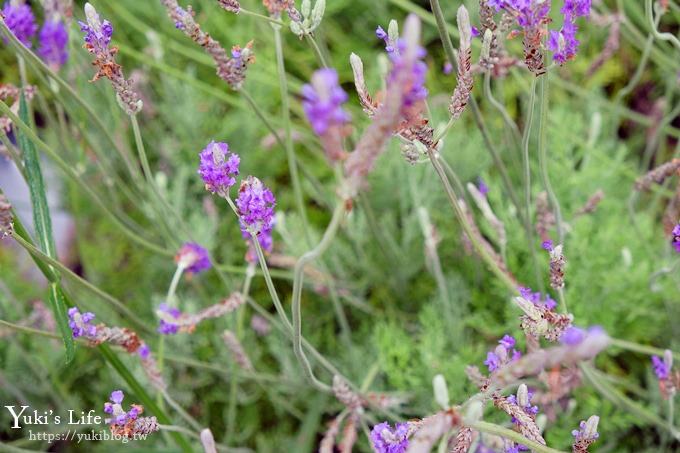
(43, 226)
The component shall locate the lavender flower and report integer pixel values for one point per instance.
(255, 204)
(97, 33)
(53, 39)
(547, 245)
(115, 408)
(80, 324)
(322, 103)
(167, 316)
(482, 187)
(676, 237)
(193, 258)
(20, 19)
(144, 351)
(503, 353)
(661, 368)
(447, 68)
(218, 167)
(586, 434)
(563, 43)
(573, 336)
(415, 92)
(388, 440)
(523, 400)
(537, 299)
(97, 39)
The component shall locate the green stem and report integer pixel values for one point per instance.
(652, 26)
(542, 156)
(479, 120)
(246, 12)
(514, 436)
(290, 151)
(317, 50)
(71, 173)
(639, 348)
(481, 251)
(326, 240)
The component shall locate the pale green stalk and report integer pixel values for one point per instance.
(317, 50)
(490, 428)
(290, 151)
(542, 155)
(246, 12)
(652, 26)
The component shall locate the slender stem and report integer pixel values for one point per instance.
(176, 406)
(290, 151)
(497, 430)
(246, 12)
(317, 50)
(262, 116)
(308, 257)
(73, 175)
(526, 164)
(451, 55)
(640, 348)
(652, 26)
(509, 123)
(542, 155)
(466, 227)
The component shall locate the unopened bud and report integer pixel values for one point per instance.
(464, 28)
(441, 393)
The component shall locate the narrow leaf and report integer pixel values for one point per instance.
(43, 226)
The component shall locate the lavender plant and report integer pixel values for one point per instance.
(300, 281)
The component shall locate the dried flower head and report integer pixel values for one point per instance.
(557, 264)
(97, 39)
(322, 103)
(173, 321)
(386, 439)
(20, 20)
(658, 175)
(232, 6)
(237, 352)
(230, 69)
(464, 80)
(193, 258)
(6, 219)
(53, 43)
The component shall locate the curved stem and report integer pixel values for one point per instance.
(652, 25)
(246, 12)
(317, 50)
(308, 257)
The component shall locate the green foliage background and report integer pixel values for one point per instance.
(402, 331)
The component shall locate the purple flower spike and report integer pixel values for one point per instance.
(676, 237)
(80, 324)
(53, 40)
(20, 19)
(388, 440)
(255, 205)
(323, 100)
(218, 167)
(661, 369)
(193, 258)
(168, 315)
